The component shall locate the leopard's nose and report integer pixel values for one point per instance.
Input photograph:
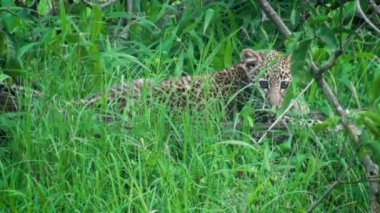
(274, 99)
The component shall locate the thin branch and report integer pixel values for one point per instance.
(366, 19)
(272, 15)
(264, 17)
(108, 3)
(337, 182)
(341, 24)
(331, 62)
(8, 11)
(129, 6)
(101, 6)
(129, 11)
(285, 111)
(324, 195)
(371, 168)
(361, 180)
(124, 22)
(374, 6)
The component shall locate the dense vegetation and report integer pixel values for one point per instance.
(57, 155)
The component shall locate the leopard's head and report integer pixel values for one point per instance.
(277, 76)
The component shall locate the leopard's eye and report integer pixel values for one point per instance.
(251, 64)
(284, 84)
(264, 84)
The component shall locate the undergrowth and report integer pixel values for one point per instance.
(60, 156)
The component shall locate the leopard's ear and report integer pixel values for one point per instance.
(251, 58)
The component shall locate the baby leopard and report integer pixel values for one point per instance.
(268, 70)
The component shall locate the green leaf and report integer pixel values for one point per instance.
(208, 17)
(23, 50)
(3, 77)
(250, 122)
(246, 115)
(43, 7)
(8, 48)
(373, 116)
(62, 16)
(319, 19)
(372, 121)
(179, 65)
(329, 123)
(375, 88)
(328, 37)
(300, 58)
(342, 29)
(147, 24)
(238, 143)
(97, 23)
(10, 23)
(228, 53)
(285, 146)
(349, 10)
(293, 15)
(232, 21)
(370, 146)
(124, 57)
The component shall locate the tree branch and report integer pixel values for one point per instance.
(360, 180)
(107, 3)
(374, 6)
(338, 181)
(371, 168)
(124, 22)
(8, 11)
(372, 172)
(272, 15)
(366, 19)
(331, 62)
(324, 195)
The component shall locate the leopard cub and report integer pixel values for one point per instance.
(269, 70)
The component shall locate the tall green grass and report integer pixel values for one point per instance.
(62, 157)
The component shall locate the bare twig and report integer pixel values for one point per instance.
(32, 8)
(108, 3)
(272, 15)
(285, 111)
(374, 6)
(8, 11)
(371, 168)
(129, 6)
(341, 24)
(336, 183)
(331, 62)
(103, 5)
(361, 180)
(366, 19)
(124, 22)
(324, 195)
(264, 17)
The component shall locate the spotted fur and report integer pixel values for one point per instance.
(277, 78)
(10, 96)
(234, 83)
